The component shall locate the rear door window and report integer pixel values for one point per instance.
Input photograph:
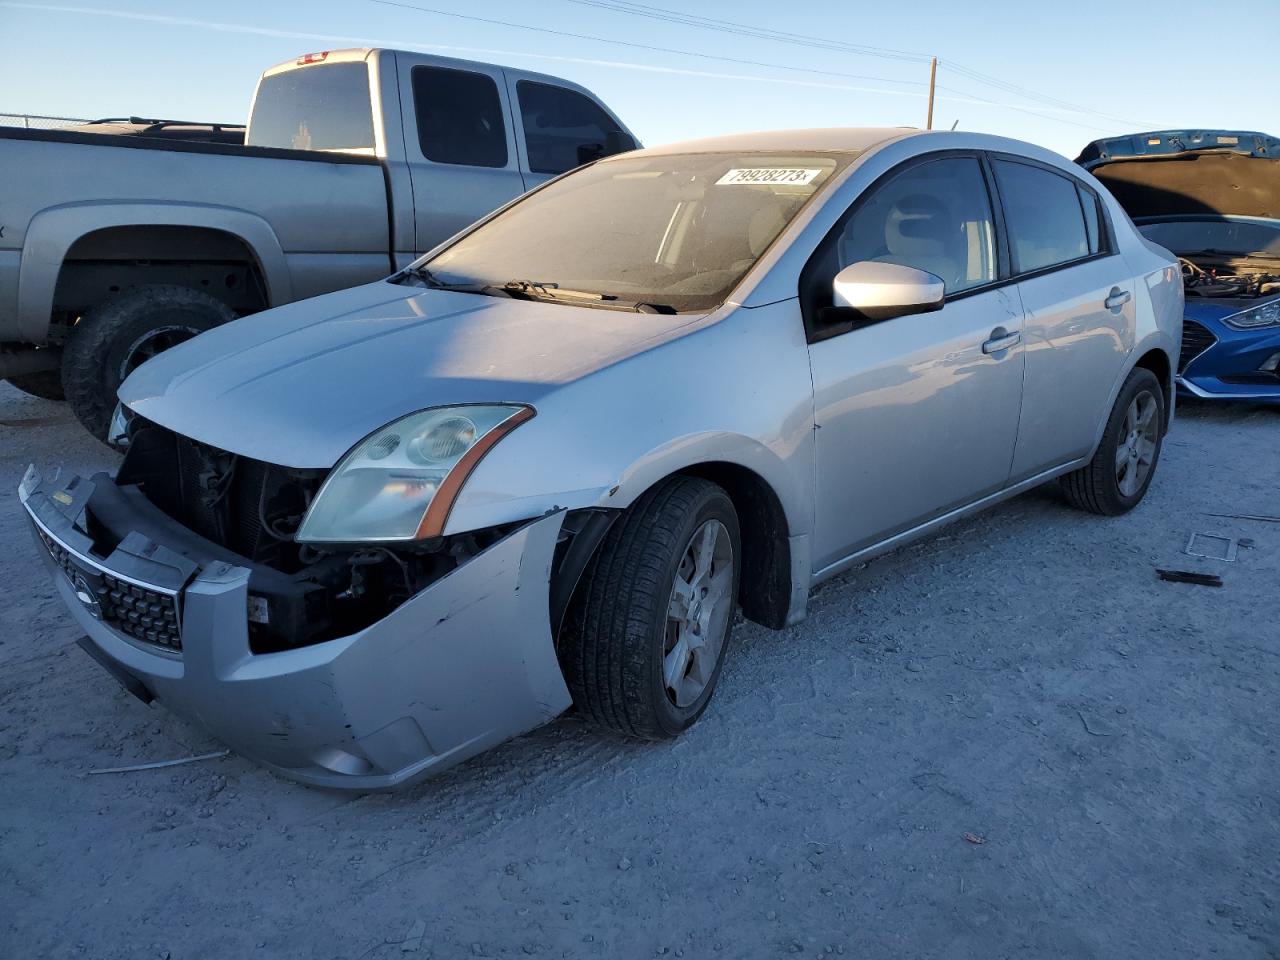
(563, 129)
(1045, 218)
(323, 107)
(459, 115)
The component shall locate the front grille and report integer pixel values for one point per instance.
(60, 555)
(1196, 339)
(146, 615)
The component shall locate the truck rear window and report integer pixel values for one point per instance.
(322, 107)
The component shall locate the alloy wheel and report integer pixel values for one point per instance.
(1135, 453)
(698, 613)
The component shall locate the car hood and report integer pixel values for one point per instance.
(300, 385)
(1181, 172)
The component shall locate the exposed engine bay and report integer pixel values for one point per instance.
(1227, 282)
(246, 511)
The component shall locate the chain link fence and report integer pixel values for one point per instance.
(30, 121)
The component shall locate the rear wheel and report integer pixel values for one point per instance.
(1117, 477)
(648, 629)
(114, 338)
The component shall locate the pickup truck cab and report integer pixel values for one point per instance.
(355, 162)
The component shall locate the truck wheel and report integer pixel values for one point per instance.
(648, 628)
(117, 335)
(1117, 477)
(47, 385)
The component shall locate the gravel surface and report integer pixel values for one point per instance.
(1009, 741)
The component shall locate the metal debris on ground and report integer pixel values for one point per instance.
(1188, 576)
(975, 838)
(1211, 547)
(1245, 516)
(156, 764)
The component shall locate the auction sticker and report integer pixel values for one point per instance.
(769, 175)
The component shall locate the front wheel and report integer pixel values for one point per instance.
(1117, 478)
(647, 632)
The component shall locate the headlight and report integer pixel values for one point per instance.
(1267, 315)
(400, 482)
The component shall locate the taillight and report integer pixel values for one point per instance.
(313, 58)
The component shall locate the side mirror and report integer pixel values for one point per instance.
(876, 291)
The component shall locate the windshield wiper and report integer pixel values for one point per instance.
(548, 290)
(435, 283)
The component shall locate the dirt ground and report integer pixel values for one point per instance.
(1023, 680)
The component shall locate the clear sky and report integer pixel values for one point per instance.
(1068, 72)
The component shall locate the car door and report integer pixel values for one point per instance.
(459, 146)
(1079, 299)
(560, 129)
(917, 415)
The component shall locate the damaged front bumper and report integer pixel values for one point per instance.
(463, 665)
(1231, 364)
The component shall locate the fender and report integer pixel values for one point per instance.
(52, 232)
(1155, 340)
(489, 498)
(480, 504)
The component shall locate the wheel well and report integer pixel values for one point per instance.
(1157, 361)
(765, 591)
(104, 262)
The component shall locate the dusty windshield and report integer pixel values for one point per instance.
(672, 232)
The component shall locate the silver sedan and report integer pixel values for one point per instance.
(363, 537)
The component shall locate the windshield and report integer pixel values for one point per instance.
(322, 107)
(1225, 237)
(675, 232)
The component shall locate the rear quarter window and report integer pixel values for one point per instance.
(323, 107)
(1092, 219)
(1044, 216)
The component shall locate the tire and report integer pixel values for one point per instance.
(619, 636)
(1106, 486)
(117, 335)
(47, 385)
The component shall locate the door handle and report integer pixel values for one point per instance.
(1116, 299)
(1001, 340)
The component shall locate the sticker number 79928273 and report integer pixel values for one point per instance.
(797, 176)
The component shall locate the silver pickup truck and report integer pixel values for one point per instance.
(355, 162)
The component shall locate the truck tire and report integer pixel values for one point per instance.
(119, 334)
(1116, 479)
(47, 385)
(639, 658)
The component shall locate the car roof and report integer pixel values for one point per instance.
(821, 139)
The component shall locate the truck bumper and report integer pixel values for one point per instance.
(462, 666)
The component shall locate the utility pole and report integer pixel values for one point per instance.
(933, 80)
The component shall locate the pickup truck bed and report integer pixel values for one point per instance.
(285, 224)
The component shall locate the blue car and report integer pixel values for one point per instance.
(1213, 198)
